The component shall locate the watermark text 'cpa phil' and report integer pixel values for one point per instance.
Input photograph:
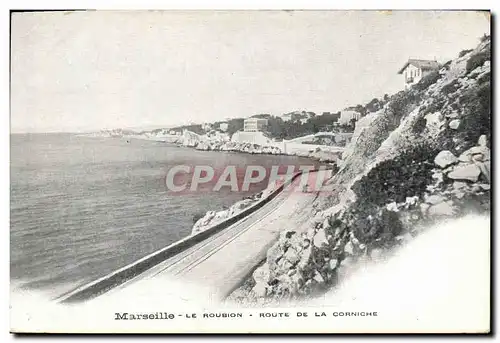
(181, 179)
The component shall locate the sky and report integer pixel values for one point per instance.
(85, 71)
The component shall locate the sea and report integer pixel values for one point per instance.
(82, 207)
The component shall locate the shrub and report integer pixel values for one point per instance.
(450, 87)
(427, 80)
(464, 52)
(406, 175)
(478, 60)
(419, 125)
(402, 102)
(484, 78)
(434, 106)
(447, 65)
(476, 114)
(484, 37)
(372, 226)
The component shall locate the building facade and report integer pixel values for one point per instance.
(347, 115)
(254, 124)
(414, 70)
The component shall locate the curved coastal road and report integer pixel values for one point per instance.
(222, 261)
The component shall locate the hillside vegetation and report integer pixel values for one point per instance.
(423, 157)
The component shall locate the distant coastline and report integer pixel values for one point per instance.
(323, 154)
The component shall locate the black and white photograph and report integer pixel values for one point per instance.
(250, 171)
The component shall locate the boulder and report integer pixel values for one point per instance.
(410, 201)
(454, 124)
(205, 222)
(320, 240)
(445, 158)
(485, 186)
(482, 141)
(477, 157)
(469, 172)
(318, 278)
(349, 248)
(459, 185)
(392, 207)
(434, 121)
(466, 156)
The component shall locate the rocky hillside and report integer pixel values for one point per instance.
(425, 156)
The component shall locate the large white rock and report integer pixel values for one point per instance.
(320, 239)
(482, 141)
(392, 207)
(434, 122)
(466, 156)
(459, 185)
(348, 248)
(454, 124)
(445, 158)
(469, 172)
(318, 278)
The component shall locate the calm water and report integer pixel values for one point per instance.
(83, 207)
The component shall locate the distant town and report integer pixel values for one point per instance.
(326, 128)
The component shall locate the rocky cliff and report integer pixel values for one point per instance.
(424, 157)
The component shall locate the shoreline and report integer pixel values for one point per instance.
(315, 154)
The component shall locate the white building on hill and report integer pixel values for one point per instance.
(254, 124)
(347, 115)
(414, 70)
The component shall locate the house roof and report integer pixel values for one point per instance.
(422, 64)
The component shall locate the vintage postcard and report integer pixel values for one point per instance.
(271, 171)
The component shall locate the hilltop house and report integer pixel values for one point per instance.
(414, 70)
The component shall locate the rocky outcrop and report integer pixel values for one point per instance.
(323, 155)
(424, 157)
(214, 217)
